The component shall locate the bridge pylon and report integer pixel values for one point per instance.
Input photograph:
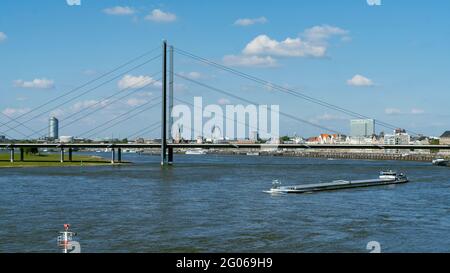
(164, 106)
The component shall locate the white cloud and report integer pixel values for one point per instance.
(416, 111)
(179, 87)
(160, 16)
(223, 101)
(319, 34)
(144, 94)
(15, 111)
(88, 103)
(3, 36)
(192, 75)
(57, 112)
(249, 61)
(328, 117)
(313, 42)
(396, 111)
(264, 45)
(392, 111)
(133, 102)
(359, 80)
(130, 81)
(89, 72)
(36, 83)
(119, 10)
(250, 21)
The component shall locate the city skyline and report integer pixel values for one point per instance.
(326, 55)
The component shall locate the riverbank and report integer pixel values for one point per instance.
(51, 160)
(326, 154)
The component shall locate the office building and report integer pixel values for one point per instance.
(398, 138)
(362, 127)
(53, 126)
(445, 138)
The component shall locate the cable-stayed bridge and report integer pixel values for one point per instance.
(21, 124)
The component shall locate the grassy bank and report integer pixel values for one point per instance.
(50, 160)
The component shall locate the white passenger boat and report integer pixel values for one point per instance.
(196, 151)
(440, 162)
(385, 178)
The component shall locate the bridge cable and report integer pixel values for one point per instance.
(252, 102)
(92, 89)
(104, 102)
(11, 128)
(118, 117)
(223, 115)
(284, 89)
(88, 82)
(120, 121)
(145, 129)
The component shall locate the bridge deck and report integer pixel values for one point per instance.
(225, 146)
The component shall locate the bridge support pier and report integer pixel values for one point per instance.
(170, 155)
(113, 156)
(119, 155)
(62, 155)
(21, 154)
(70, 154)
(170, 149)
(11, 155)
(164, 106)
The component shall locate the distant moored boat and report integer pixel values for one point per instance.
(196, 151)
(440, 162)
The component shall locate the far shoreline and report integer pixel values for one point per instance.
(53, 160)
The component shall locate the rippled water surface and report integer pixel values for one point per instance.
(215, 204)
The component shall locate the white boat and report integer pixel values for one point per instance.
(385, 178)
(440, 162)
(66, 242)
(196, 151)
(253, 153)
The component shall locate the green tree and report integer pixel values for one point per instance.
(31, 150)
(284, 138)
(434, 142)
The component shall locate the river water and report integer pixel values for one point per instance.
(210, 203)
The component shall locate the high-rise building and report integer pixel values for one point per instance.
(400, 137)
(362, 127)
(445, 138)
(254, 135)
(53, 126)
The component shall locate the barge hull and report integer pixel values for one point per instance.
(336, 186)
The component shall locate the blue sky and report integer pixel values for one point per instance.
(390, 62)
